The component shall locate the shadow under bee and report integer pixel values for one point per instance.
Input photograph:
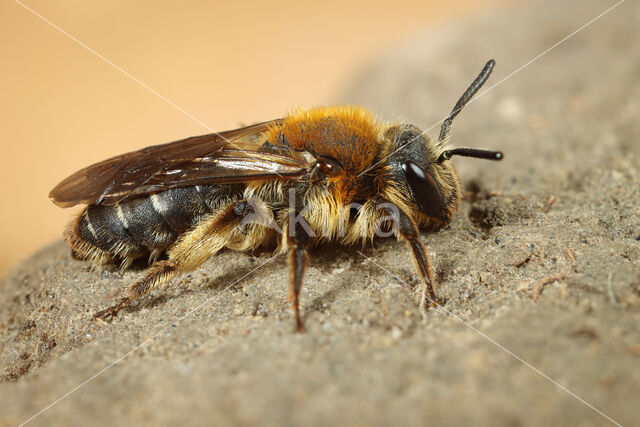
(229, 280)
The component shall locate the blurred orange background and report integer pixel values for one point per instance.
(228, 63)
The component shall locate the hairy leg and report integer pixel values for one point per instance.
(190, 251)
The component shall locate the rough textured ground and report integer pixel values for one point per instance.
(223, 348)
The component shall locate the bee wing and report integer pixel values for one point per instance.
(234, 156)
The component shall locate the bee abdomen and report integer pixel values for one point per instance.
(180, 208)
(146, 224)
(142, 225)
(99, 234)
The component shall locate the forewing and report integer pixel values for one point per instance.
(229, 157)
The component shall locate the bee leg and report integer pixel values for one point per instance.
(298, 244)
(159, 273)
(407, 231)
(190, 251)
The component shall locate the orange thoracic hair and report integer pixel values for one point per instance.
(348, 134)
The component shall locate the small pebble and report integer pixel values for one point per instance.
(396, 333)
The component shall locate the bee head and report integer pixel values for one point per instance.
(432, 186)
(423, 166)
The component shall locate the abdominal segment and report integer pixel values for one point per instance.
(143, 226)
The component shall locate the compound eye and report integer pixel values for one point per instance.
(425, 189)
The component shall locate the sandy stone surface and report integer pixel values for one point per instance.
(218, 347)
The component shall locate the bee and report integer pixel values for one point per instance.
(324, 175)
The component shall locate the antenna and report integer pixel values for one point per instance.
(471, 152)
(465, 98)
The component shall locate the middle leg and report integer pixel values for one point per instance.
(298, 241)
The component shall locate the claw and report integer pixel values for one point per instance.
(111, 311)
(435, 302)
(299, 325)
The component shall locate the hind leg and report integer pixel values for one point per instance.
(189, 252)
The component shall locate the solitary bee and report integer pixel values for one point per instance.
(330, 174)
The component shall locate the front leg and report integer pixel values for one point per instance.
(405, 229)
(298, 241)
